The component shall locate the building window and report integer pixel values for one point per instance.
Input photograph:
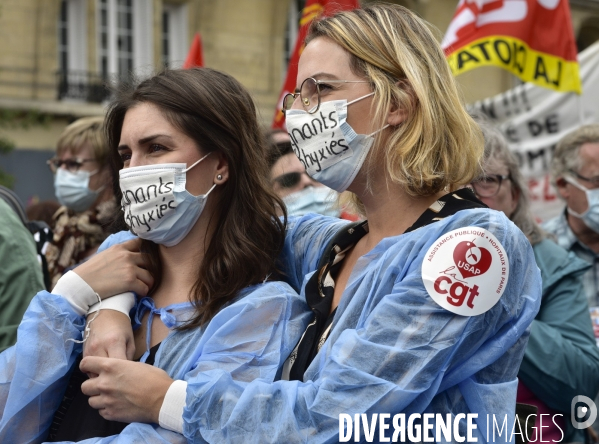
(74, 80)
(103, 38)
(124, 38)
(165, 39)
(63, 41)
(72, 36)
(175, 35)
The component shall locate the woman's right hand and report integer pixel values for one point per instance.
(110, 336)
(116, 270)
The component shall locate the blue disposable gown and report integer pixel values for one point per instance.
(248, 339)
(391, 349)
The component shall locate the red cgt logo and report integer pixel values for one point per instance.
(471, 260)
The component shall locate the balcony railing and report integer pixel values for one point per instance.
(82, 85)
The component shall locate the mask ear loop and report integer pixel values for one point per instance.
(363, 97)
(575, 184)
(99, 190)
(360, 98)
(210, 190)
(379, 130)
(187, 169)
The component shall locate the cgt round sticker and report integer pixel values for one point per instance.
(466, 270)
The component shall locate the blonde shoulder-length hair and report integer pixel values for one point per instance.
(438, 146)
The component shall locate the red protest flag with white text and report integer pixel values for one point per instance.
(313, 9)
(533, 39)
(195, 56)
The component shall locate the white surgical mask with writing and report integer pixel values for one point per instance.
(156, 204)
(591, 216)
(72, 189)
(327, 145)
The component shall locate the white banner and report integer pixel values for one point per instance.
(534, 119)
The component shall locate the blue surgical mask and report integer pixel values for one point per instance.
(327, 145)
(591, 216)
(156, 204)
(320, 200)
(72, 189)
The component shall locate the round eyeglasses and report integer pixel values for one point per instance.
(71, 165)
(309, 93)
(488, 185)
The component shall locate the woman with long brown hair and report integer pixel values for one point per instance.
(193, 186)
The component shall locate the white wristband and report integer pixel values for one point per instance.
(123, 302)
(76, 291)
(171, 411)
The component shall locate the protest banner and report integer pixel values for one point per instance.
(532, 39)
(534, 119)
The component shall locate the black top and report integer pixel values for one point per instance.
(320, 288)
(75, 420)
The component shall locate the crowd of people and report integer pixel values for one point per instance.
(215, 282)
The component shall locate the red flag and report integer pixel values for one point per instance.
(195, 58)
(533, 39)
(313, 9)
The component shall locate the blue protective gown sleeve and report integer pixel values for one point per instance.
(392, 349)
(35, 371)
(306, 238)
(250, 338)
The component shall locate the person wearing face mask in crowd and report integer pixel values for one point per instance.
(193, 187)
(561, 360)
(423, 307)
(575, 173)
(83, 187)
(299, 191)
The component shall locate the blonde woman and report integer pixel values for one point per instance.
(423, 307)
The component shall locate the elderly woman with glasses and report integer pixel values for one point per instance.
(561, 360)
(83, 186)
(424, 307)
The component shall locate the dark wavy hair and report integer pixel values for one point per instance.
(218, 113)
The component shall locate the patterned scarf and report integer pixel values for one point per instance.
(75, 234)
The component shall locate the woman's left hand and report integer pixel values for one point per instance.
(125, 391)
